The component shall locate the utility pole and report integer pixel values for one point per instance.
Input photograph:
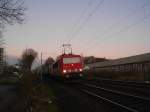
(41, 66)
(2, 54)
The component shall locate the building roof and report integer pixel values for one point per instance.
(122, 61)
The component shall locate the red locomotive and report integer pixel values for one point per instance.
(68, 65)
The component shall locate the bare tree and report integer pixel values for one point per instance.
(47, 65)
(11, 11)
(28, 57)
(49, 61)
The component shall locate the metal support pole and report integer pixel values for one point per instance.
(41, 65)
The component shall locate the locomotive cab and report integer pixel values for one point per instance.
(72, 65)
(68, 65)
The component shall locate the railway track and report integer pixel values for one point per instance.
(121, 98)
(134, 88)
(125, 83)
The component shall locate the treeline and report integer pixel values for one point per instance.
(29, 55)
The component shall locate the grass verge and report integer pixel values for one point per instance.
(38, 96)
(9, 81)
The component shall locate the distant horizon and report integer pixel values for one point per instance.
(19, 57)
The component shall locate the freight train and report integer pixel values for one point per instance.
(67, 66)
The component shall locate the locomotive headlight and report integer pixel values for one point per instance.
(80, 70)
(64, 71)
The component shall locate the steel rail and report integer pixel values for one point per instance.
(123, 85)
(143, 92)
(117, 92)
(133, 83)
(112, 102)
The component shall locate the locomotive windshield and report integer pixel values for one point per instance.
(71, 60)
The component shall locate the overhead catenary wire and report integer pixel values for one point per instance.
(79, 19)
(124, 29)
(74, 34)
(109, 29)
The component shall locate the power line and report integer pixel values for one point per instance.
(126, 28)
(86, 20)
(79, 19)
(117, 23)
